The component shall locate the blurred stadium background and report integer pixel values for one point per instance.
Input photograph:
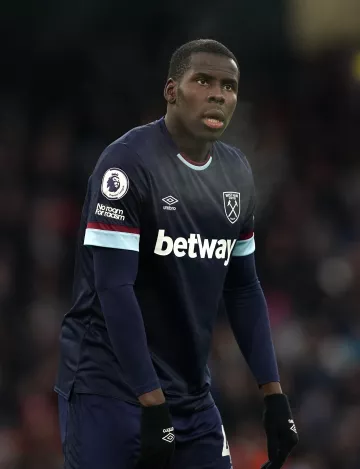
(76, 75)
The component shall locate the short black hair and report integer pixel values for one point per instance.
(180, 60)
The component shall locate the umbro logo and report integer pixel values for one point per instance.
(169, 200)
(293, 427)
(170, 437)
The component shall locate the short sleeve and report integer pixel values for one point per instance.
(117, 188)
(245, 244)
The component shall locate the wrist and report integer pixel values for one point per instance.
(277, 403)
(271, 388)
(153, 398)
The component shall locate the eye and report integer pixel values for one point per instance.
(228, 87)
(202, 81)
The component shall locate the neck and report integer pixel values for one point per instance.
(195, 149)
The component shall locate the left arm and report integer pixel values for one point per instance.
(248, 315)
(249, 319)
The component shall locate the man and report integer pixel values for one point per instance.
(166, 234)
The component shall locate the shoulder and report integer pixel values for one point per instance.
(140, 137)
(234, 156)
(121, 164)
(127, 150)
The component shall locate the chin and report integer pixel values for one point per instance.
(212, 135)
(205, 133)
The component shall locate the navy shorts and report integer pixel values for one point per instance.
(103, 433)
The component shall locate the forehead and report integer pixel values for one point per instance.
(213, 64)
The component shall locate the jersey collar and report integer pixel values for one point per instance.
(193, 165)
(183, 158)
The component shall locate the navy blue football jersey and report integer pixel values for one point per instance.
(187, 221)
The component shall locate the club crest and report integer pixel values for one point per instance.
(232, 205)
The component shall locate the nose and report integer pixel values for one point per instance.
(216, 95)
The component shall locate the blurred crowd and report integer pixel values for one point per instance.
(307, 171)
(301, 138)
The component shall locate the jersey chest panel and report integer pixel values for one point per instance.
(209, 203)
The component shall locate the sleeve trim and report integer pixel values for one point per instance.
(244, 247)
(108, 227)
(112, 239)
(246, 236)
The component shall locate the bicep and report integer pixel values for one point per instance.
(241, 273)
(117, 189)
(245, 244)
(114, 267)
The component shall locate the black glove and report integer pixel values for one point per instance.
(157, 439)
(280, 430)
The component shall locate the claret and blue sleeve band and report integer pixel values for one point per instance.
(112, 236)
(244, 247)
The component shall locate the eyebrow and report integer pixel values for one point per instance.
(233, 81)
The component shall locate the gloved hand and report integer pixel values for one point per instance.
(280, 430)
(157, 438)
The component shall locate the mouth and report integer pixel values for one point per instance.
(214, 119)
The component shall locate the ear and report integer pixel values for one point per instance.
(170, 91)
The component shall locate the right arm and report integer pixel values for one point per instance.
(115, 274)
(119, 186)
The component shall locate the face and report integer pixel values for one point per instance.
(204, 99)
